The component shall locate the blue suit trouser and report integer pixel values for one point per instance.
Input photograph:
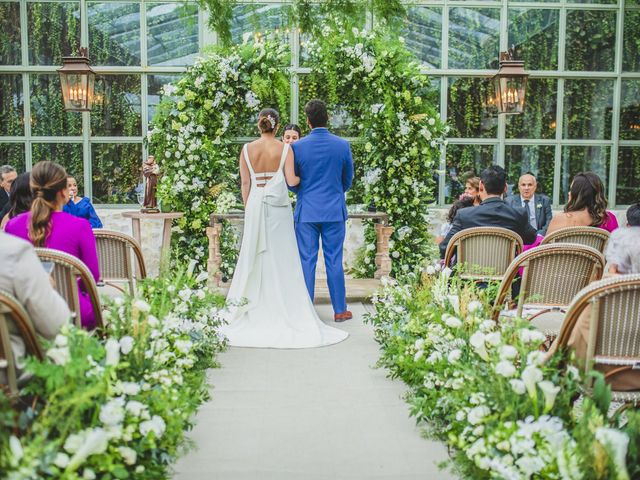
(332, 234)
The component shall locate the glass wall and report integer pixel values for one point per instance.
(583, 99)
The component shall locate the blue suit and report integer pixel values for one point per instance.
(324, 164)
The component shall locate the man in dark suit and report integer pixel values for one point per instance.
(8, 175)
(493, 211)
(537, 206)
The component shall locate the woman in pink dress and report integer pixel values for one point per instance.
(46, 225)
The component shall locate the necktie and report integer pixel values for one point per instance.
(532, 221)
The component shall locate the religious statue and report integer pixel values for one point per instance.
(150, 171)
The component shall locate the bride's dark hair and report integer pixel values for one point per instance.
(268, 120)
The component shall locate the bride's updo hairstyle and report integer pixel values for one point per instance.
(47, 180)
(268, 120)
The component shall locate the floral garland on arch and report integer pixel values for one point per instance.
(368, 75)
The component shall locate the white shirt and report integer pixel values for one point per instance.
(532, 211)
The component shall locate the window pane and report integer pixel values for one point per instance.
(114, 33)
(535, 36)
(155, 84)
(630, 110)
(259, 19)
(422, 31)
(13, 154)
(115, 172)
(48, 116)
(628, 188)
(591, 38)
(587, 109)
(54, 31)
(119, 113)
(583, 159)
(631, 41)
(10, 34)
(11, 100)
(172, 33)
(69, 155)
(464, 161)
(469, 113)
(474, 37)
(539, 117)
(537, 159)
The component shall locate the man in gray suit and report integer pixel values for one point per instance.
(537, 206)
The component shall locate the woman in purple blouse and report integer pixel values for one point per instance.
(46, 225)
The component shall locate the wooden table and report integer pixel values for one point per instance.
(167, 219)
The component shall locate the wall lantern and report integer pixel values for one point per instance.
(77, 80)
(510, 84)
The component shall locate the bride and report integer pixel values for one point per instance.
(274, 309)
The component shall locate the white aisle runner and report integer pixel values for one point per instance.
(314, 414)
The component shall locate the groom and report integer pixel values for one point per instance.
(325, 167)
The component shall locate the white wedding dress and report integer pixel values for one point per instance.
(278, 312)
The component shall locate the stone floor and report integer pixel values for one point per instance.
(323, 413)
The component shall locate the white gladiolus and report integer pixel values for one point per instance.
(518, 386)
(507, 352)
(530, 376)
(95, 442)
(129, 455)
(550, 392)
(112, 348)
(505, 368)
(616, 443)
(126, 344)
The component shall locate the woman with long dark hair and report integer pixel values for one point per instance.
(46, 225)
(587, 205)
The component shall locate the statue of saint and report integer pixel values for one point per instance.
(150, 171)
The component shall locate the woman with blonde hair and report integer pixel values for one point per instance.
(46, 225)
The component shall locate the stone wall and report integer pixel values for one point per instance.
(152, 234)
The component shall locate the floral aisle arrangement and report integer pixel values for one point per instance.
(483, 388)
(118, 407)
(369, 76)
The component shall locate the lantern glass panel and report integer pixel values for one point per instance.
(511, 93)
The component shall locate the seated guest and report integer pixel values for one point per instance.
(22, 275)
(80, 206)
(291, 133)
(621, 241)
(629, 256)
(472, 189)
(19, 200)
(464, 202)
(587, 206)
(8, 175)
(46, 225)
(493, 211)
(538, 206)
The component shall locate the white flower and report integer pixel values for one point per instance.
(529, 336)
(507, 352)
(474, 307)
(451, 321)
(431, 270)
(454, 355)
(141, 305)
(112, 413)
(530, 376)
(129, 455)
(126, 344)
(530, 465)
(477, 342)
(535, 358)
(112, 348)
(130, 388)
(418, 355)
(419, 344)
(95, 442)
(61, 341)
(446, 272)
(88, 474)
(505, 368)
(477, 414)
(493, 338)
(16, 448)
(155, 425)
(487, 325)
(61, 460)
(184, 346)
(60, 356)
(454, 300)
(135, 408)
(432, 121)
(550, 392)
(616, 443)
(73, 442)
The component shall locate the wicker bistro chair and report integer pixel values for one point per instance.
(15, 320)
(114, 255)
(614, 329)
(593, 237)
(68, 269)
(552, 275)
(483, 253)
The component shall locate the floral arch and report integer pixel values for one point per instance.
(367, 76)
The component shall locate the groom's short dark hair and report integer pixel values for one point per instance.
(316, 112)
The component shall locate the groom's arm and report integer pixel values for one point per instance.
(347, 170)
(296, 167)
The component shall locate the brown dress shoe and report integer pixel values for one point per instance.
(341, 317)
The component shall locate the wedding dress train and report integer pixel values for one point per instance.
(278, 312)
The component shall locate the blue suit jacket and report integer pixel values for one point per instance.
(324, 164)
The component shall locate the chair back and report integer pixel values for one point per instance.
(115, 251)
(15, 320)
(68, 269)
(552, 275)
(483, 253)
(593, 237)
(614, 330)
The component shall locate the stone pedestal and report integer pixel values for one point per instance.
(383, 259)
